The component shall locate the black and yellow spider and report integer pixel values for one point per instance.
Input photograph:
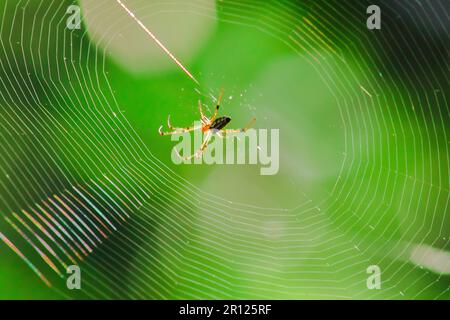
(209, 127)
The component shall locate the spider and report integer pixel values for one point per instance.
(209, 127)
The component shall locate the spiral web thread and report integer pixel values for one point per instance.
(74, 173)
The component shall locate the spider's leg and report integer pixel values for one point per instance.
(219, 101)
(248, 126)
(169, 125)
(177, 130)
(222, 135)
(202, 148)
(200, 109)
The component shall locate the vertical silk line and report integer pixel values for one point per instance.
(159, 43)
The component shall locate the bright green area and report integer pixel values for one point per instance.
(353, 152)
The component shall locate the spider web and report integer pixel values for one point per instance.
(78, 184)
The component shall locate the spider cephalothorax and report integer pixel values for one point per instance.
(209, 127)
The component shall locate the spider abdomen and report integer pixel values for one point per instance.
(220, 123)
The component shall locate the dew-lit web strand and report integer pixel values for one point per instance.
(49, 235)
(4, 238)
(219, 197)
(44, 257)
(350, 85)
(158, 42)
(396, 174)
(359, 163)
(22, 220)
(22, 256)
(319, 46)
(439, 187)
(85, 199)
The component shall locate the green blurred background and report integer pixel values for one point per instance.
(363, 120)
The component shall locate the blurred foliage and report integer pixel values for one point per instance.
(361, 144)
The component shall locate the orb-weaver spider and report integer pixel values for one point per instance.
(209, 127)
